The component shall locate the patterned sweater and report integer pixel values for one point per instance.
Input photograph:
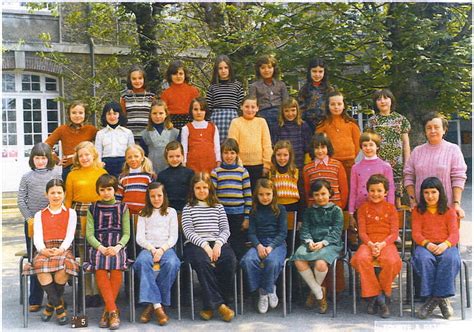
(232, 183)
(299, 136)
(136, 104)
(132, 190)
(225, 94)
(203, 223)
(286, 186)
(377, 222)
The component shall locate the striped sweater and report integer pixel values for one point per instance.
(132, 190)
(329, 169)
(136, 104)
(225, 94)
(31, 198)
(203, 223)
(287, 187)
(232, 183)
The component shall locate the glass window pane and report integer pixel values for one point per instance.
(4, 116)
(8, 82)
(28, 140)
(11, 116)
(25, 87)
(52, 127)
(27, 116)
(52, 116)
(4, 139)
(27, 104)
(12, 139)
(37, 104)
(11, 104)
(27, 127)
(35, 87)
(51, 87)
(11, 127)
(38, 139)
(35, 78)
(51, 104)
(37, 116)
(25, 78)
(4, 127)
(37, 127)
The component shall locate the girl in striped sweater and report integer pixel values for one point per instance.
(206, 229)
(136, 101)
(224, 95)
(232, 183)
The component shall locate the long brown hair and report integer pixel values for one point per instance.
(328, 118)
(267, 184)
(147, 211)
(283, 144)
(211, 199)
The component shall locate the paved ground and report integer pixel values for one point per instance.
(299, 320)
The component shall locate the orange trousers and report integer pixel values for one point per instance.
(390, 265)
(109, 286)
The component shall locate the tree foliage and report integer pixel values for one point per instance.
(421, 51)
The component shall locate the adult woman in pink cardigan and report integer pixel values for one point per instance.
(437, 158)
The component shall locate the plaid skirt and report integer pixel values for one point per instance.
(81, 211)
(222, 118)
(180, 120)
(43, 264)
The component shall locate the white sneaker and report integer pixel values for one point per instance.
(273, 300)
(262, 303)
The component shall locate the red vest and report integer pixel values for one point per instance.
(201, 155)
(54, 225)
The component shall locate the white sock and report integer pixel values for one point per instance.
(308, 276)
(156, 305)
(320, 276)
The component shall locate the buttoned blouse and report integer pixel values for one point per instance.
(113, 142)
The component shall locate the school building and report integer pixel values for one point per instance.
(31, 84)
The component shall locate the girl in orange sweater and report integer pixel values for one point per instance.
(180, 93)
(378, 230)
(342, 130)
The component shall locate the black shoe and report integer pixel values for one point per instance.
(427, 308)
(372, 305)
(446, 308)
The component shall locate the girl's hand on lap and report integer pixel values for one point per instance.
(440, 248)
(268, 250)
(261, 251)
(245, 225)
(318, 246)
(208, 251)
(102, 250)
(431, 247)
(216, 252)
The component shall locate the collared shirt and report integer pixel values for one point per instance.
(113, 142)
(267, 95)
(325, 161)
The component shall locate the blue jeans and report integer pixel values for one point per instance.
(155, 287)
(263, 277)
(437, 273)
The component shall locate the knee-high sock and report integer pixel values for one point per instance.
(106, 289)
(308, 276)
(53, 297)
(60, 290)
(320, 276)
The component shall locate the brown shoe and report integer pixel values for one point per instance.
(145, 317)
(161, 316)
(323, 303)
(114, 320)
(47, 313)
(226, 313)
(34, 307)
(384, 311)
(61, 315)
(310, 300)
(104, 320)
(206, 314)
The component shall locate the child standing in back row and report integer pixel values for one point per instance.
(342, 130)
(268, 90)
(253, 137)
(224, 95)
(179, 95)
(393, 128)
(136, 101)
(158, 133)
(200, 139)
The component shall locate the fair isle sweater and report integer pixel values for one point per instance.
(444, 160)
(132, 190)
(203, 223)
(360, 173)
(254, 141)
(225, 94)
(286, 187)
(31, 198)
(232, 183)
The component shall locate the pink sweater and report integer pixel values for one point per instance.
(360, 173)
(444, 160)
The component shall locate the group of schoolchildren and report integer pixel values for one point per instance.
(230, 181)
